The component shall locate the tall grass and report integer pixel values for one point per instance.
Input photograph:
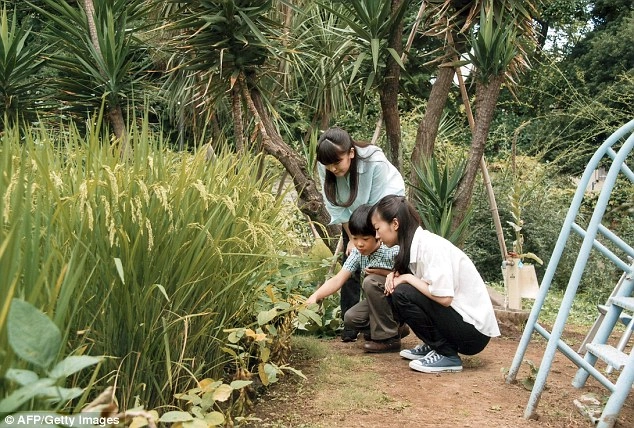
(145, 262)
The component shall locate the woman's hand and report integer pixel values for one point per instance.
(389, 283)
(400, 279)
(394, 279)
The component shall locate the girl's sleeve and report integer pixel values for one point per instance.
(439, 272)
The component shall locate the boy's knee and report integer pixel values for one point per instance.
(373, 282)
(350, 319)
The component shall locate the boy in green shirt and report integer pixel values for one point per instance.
(373, 315)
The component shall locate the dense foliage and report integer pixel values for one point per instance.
(185, 257)
(146, 264)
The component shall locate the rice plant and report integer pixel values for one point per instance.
(145, 262)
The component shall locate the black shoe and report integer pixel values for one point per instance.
(349, 335)
(403, 331)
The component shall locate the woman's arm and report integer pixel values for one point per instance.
(395, 279)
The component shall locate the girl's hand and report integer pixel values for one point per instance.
(400, 279)
(349, 248)
(395, 279)
(312, 299)
(389, 283)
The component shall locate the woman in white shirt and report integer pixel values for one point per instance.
(352, 173)
(435, 289)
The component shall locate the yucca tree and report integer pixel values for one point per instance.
(376, 28)
(99, 57)
(20, 61)
(445, 20)
(498, 51)
(322, 60)
(232, 47)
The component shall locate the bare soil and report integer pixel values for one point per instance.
(477, 397)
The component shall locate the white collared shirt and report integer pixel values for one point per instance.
(450, 272)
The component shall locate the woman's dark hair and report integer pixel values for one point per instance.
(360, 223)
(332, 145)
(392, 207)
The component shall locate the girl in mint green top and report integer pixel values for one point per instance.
(353, 173)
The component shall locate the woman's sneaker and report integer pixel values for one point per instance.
(416, 353)
(436, 363)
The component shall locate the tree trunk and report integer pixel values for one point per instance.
(309, 197)
(89, 9)
(389, 92)
(236, 110)
(118, 126)
(115, 114)
(486, 99)
(428, 127)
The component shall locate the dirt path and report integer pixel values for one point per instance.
(476, 397)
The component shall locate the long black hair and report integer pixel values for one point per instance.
(332, 145)
(392, 207)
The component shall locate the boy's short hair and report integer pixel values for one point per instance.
(360, 223)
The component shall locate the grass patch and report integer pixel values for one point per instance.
(309, 347)
(337, 384)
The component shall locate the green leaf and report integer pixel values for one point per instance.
(374, 46)
(24, 394)
(32, 335)
(56, 394)
(396, 57)
(21, 377)
(294, 370)
(532, 256)
(265, 317)
(175, 416)
(215, 418)
(271, 372)
(119, 266)
(239, 384)
(73, 364)
(162, 290)
(196, 423)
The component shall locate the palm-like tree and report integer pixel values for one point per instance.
(99, 57)
(498, 52)
(20, 61)
(322, 59)
(501, 45)
(376, 28)
(230, 48)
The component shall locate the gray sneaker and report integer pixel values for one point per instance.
(420, 351)
(436, 363)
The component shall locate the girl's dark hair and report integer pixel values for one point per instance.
(332, 145)
(360, 223)
(392, 207)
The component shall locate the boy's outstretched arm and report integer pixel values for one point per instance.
(329, 287)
